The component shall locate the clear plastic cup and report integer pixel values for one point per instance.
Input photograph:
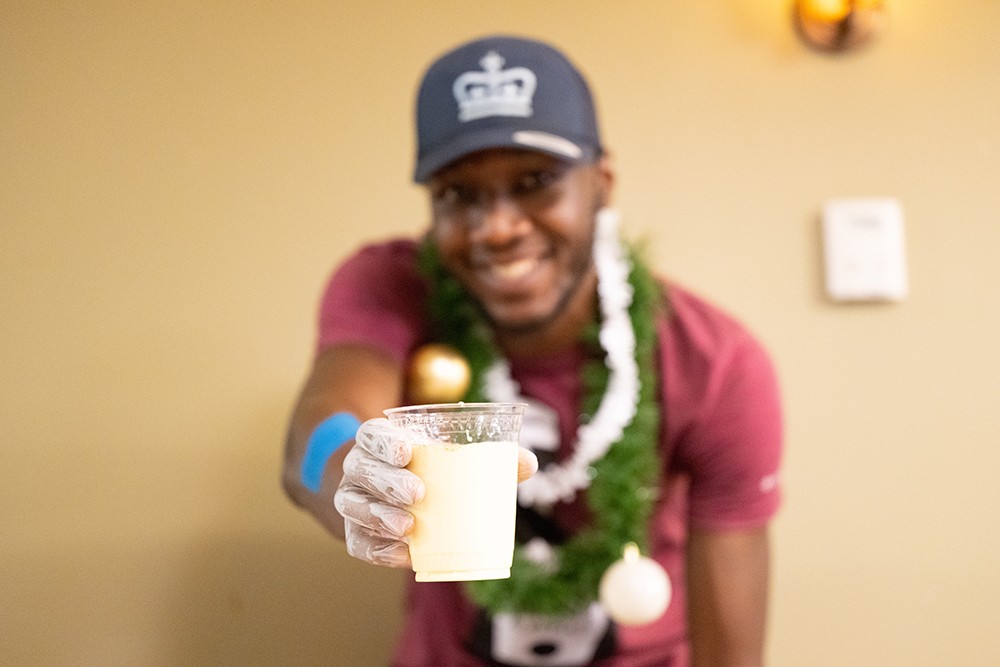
(466, 454)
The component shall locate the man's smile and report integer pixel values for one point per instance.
(519, 268)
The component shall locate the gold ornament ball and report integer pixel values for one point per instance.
(438, 374)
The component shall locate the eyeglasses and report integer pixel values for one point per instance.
(457, 199)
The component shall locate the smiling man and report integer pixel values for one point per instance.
(517, 228)
(675, 446)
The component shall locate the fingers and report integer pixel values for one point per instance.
(377, 518)
(374, 492)
(385, 442)
(373, 532)
(374, 549)
(527, 464)
(397, 486)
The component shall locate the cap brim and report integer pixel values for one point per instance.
(500, 137)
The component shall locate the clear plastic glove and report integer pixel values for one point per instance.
(374, 492)
(376, 489)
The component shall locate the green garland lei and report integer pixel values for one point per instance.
(625, 484)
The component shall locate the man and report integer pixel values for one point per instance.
(675, 446)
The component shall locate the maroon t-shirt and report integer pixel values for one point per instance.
(720, 440)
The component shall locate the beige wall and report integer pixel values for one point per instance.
(178, 179)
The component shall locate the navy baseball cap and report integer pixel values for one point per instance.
(498, 92)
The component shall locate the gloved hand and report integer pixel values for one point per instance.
(376, 489)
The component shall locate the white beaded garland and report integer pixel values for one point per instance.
(635, 590)
(561, 481)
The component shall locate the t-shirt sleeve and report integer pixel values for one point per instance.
(734, 445)
(375, 298)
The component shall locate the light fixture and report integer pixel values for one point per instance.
(838, 25)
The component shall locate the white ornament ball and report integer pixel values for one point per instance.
(635, 590)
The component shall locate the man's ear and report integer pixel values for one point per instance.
(605, 174)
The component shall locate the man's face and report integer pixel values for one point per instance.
(516, 228)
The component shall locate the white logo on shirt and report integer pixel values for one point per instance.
(769, 483)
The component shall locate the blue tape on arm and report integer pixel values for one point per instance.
(331, 433)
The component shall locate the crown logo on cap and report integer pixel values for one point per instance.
(494, 91)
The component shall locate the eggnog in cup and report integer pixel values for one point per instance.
(466, 454)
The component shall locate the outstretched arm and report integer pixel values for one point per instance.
(344, 378)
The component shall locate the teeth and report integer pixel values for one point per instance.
(514, 270)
